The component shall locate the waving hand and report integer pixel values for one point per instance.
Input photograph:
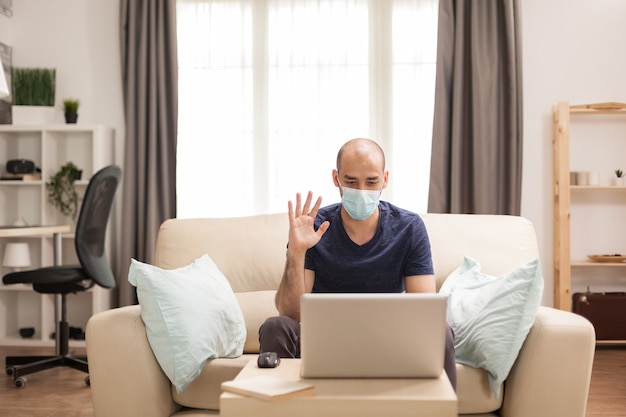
(302, 233)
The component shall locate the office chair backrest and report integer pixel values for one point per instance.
(91, 228)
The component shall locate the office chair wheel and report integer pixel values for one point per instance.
(19, 382)
(9, 370)
(87, 381)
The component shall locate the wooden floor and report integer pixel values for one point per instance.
(607, 393)
(62, 392)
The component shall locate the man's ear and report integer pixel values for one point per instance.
(336, 177)
(385, 179)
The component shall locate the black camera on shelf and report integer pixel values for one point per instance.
(20, 166)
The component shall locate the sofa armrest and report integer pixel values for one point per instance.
(126, 380)
(552, 373)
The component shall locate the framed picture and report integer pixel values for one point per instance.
(6, 53)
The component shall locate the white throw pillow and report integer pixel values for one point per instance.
(491, 316)
(191, 315)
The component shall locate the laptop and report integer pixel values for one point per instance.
(397, 335)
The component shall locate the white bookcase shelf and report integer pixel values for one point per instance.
(90, 148)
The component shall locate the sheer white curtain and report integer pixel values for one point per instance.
(270, 89)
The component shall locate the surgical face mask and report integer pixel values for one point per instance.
(360, 204)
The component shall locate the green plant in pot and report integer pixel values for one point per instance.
(61, 191)
(70, 108)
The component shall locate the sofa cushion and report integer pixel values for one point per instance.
(256, 306)
(474, 392)
(204, 392)
(492, 316)
(191, 315)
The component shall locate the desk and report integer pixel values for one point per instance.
(427, 397)
(31, 231)
(55, 230)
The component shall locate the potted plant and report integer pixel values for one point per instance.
(619, 177)
(70, 108)
(61, 191)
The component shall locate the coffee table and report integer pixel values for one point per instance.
(432, 397)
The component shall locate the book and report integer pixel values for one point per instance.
(268, 388)
(21, 177)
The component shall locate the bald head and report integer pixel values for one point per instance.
(361, 148)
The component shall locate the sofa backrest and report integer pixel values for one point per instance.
(250, 251)
(499, 242)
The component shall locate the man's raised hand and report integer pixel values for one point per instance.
(302, 233)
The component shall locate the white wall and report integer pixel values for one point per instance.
(81, 40)
(573, 51)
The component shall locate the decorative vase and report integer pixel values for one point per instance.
(71, 117)
(619, 181)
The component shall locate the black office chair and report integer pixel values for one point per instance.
(94, 269)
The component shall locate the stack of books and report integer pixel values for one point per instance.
(21, 177)
(269, 388)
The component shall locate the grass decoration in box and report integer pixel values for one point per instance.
(33, 86)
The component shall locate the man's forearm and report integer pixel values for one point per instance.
(291, 287)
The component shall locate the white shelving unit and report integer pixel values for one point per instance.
(90, 148)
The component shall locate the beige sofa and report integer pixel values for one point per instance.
(550, 377)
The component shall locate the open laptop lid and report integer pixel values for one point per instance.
(372, 335)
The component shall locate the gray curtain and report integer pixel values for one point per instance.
(150, 82)
(476, 164)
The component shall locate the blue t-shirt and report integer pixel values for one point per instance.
(400, 248)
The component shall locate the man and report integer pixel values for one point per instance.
(336, 248)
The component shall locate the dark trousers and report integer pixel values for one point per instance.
(281, 334)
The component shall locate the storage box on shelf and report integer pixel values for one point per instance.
(49, 147)
(588, 219)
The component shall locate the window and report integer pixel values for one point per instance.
(270, 89)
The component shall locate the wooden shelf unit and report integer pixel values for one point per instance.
(562, 262)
